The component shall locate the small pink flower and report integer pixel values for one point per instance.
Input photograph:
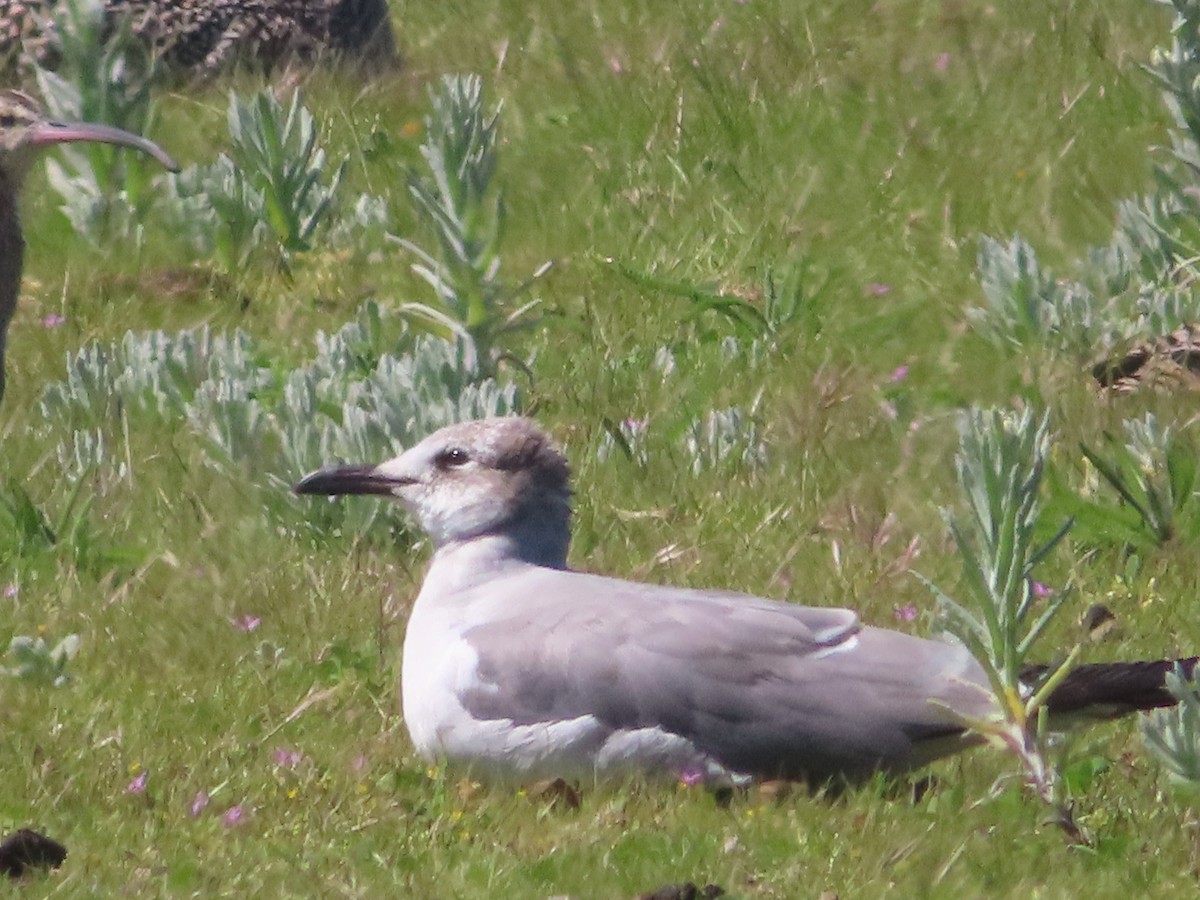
(898, 374)
(942, 63)
(691, 777)
(1041, 591)
(879, 289)
(246, 622)
(138, 785)
(199, 802)
(904, 613)
(234, 816)
(287, 759)
(53, 320)
(10, 591)
(359, 763)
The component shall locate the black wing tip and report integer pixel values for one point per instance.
(1113, 689)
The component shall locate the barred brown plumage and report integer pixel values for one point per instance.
(204, 36)
(1170, 362)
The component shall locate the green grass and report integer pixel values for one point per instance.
(703, 145)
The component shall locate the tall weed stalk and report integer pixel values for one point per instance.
(1000, 464)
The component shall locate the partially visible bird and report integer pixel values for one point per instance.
(1169, 363)
(24, 130)
(204, 37)
(517, 666)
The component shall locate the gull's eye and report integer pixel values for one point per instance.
(452, 458)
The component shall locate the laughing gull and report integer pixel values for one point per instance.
(519, 667)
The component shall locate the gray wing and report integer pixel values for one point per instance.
(767, 688)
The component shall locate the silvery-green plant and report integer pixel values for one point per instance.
(156, 371)
(86, 453)
(275, 186)
(1173, 735)
(458, 201)
(1176, 69)
(1153, 473)
(363, 224)
(279, 153)
(35, 660)
(1127, 290)
(371, 388)
(1162, 230)
(104, 75)
(218, 212)
(1160, 309)
(1000, 465)
(1143, 283)
(720, 437)
(105, 71)
(1027, 306)
(1159, 233)
(724, 436)
(627, 436)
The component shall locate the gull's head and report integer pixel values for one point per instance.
(489, 476)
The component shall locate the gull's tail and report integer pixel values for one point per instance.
(1109, 690)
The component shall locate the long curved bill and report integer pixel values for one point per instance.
(45, 133)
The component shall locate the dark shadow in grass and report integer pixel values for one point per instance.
(683, 891)
(27, 849)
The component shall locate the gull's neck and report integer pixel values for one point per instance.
(539, 536)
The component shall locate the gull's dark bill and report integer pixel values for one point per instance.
(345, 480)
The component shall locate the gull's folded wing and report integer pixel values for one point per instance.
(767, 688)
